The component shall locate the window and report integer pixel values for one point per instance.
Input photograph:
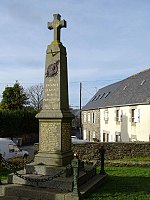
(117, 137)
(11, 148)
(105, 137)
(101, 96)
(142, 82)
(84, 117)
(118, 115)
(94, 134)
(132, 114)
(16, 149)
(93, 117)
(125, 87)
(84, 134)
(89, 136)
(135, 115)
(88, 117)
(106, 95)
(106, 115)
(94, 98)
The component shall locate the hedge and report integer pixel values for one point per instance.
(18, 123)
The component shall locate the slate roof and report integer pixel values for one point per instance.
(130, 91)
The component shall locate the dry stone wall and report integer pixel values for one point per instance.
(89, 151)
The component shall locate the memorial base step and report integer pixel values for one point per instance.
(43, 181)
(22, 192)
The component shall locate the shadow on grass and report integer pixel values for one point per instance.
(129, 188)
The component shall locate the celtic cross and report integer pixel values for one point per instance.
(57, 24)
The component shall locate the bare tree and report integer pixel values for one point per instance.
(35, 96)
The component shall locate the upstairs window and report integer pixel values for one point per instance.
(135, 115)
(84, 117)
(106, 115)
(93, 117)
(106, 95)
(143, 82)
(118, 115)
(89, 117)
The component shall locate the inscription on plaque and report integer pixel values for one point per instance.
(66, 134)
(49, 141)
(51, 98)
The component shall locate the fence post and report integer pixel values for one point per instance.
(102, 152)
(75, 166)
(0, 166)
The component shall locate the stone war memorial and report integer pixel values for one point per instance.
(56, 173)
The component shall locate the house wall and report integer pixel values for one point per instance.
(91, 125)
(126, 129)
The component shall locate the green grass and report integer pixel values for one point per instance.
(138, 159)
(3, 173)
(124, 183)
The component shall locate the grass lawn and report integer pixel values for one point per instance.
(124, 183)
(4, 173)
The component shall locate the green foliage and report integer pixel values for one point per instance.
(14, 98)
(17, 123)
(124, 183)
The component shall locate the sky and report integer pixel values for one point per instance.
(106, 41)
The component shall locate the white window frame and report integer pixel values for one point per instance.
(119, 115)
(89, 117)
(106, 115)
(94, 117)
(84, 134)
(135, 115)
(84, 117)
(118, 137)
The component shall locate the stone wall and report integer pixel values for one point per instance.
(113, 150)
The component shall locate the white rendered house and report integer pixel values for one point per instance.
(119, 112)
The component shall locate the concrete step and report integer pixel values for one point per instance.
(14, 198)
(92, 184)
(33, 193)
(22, 192)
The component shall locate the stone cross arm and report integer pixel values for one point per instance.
(57, 24)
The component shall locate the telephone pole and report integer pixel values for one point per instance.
(80, 110)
